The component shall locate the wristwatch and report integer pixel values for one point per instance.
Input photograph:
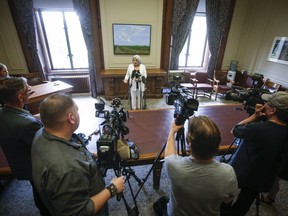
(112, 189)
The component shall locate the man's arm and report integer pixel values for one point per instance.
(170, 145)
(259, 108)
(258, 113)
(101, 198)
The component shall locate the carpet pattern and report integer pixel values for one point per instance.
(16, 197)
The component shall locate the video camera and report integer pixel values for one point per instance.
(111, 146)
(248, 97)
(136, 74)
(183, 101)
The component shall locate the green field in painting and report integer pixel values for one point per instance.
(143, 50)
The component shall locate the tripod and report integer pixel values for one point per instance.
(126, 171)
(180, 138)
(140, 96)
(235, 143)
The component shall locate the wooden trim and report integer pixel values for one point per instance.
(22, 38)
(166, 34)
(97, 43)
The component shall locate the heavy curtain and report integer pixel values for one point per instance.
(183, 15)
(218, 23)
(24, 16)
(82, 9)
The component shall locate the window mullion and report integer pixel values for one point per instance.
(70, 55)
(46, 40)
(188, 47)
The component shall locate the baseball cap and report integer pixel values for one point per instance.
(278, 100)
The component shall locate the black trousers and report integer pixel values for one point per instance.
(242, 205)
(38, 202)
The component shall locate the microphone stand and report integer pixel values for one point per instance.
(140, 94)
(143, 79)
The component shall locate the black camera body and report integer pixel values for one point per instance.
(248, 97)
(182, 99)
(112, 136)
(136, 74)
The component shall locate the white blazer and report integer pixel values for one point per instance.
(132, 82)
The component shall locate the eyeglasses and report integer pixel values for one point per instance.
(28, 89)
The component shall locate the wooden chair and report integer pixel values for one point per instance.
(186, 83)
(203, 85)
(220, 83)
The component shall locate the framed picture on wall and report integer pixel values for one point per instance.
(131, 39)
(279, 50)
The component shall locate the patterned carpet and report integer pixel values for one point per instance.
(16, 197)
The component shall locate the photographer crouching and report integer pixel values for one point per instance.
(259, 156)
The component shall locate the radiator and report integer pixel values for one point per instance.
(80, 83)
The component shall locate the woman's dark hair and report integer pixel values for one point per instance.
(204, 137)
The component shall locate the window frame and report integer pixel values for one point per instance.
(206, 53)
(45, 48)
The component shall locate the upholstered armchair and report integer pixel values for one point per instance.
(203, 85)
(270, 86)
(220, 83)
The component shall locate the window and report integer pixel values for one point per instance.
(195, 52)
(63, 39)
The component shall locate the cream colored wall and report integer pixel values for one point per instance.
(131, 12)
(254, 26)
(11, 53)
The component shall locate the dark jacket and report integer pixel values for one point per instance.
(258, 158)
(17, 130)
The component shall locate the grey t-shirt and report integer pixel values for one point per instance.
(198, 189)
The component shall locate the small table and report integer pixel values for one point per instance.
(42, 91)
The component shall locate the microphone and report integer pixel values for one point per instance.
(143, 79)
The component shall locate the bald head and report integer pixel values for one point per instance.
(55, 108)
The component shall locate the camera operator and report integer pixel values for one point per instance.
(64, 172)
(17, 130)
(199, 183)
(136, 75)
(259, 156)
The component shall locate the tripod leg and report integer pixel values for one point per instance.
(130, 102)
(157, 160)
(129, 171)
(144, 98)
(157, 174)
(257, 202)
(130, 211)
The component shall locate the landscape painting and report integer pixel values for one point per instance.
(131, 39)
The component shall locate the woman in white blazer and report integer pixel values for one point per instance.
(136, 76)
